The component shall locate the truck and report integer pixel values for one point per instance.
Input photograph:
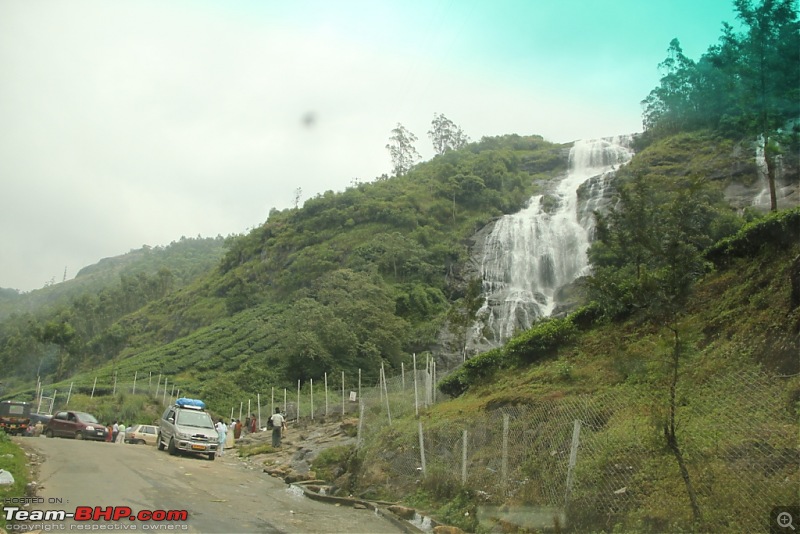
(15, 416)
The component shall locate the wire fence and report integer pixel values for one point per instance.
(598, 462)
(336, 395)
(594, 462)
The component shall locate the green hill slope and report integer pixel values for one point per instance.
(347, 281)
(711, 428)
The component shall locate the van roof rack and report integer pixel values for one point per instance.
(195, 404)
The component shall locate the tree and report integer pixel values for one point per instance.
(445, 135)
(647, 257)
(769, 56)
(402, 151)
(298, 193)
(747, 84)
(668, 106)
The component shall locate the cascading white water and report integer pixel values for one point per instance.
(531, 254)
(762, 199)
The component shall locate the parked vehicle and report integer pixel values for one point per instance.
(15, 416)
(78, 425)
(186, 426)
(146, 434)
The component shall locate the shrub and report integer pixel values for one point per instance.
(541, 340)
(474, 370)
(333, 462)
(778, 229)
(454, 384)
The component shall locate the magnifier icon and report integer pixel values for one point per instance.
(785, 520)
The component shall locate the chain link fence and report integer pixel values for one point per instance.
(592, 463)
(599, 462)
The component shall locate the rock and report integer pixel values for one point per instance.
(6, 478)
(300, 454)
(294, 476)
(403, 512)
(443, 529)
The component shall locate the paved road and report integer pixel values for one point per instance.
(224, 495)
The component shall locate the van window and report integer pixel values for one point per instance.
(197, 419)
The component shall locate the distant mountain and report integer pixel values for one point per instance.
(185, 259)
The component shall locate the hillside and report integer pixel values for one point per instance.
(77, 314)
(350, 279)
(185, 259)
(343, 283)
(732, 399)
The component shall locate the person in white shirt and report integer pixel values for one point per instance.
(222, 431)
(278, 425)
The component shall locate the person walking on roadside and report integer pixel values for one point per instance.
(222, 432)
(278, 425)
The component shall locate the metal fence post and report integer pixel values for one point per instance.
(464, 457)
(386, 390)
(422, 450)
(573, 457)
(504, 463)
(416, 396)
(360, 439)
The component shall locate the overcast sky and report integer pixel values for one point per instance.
(130, 123)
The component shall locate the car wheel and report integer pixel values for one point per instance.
(159, 442)
(48, 433)
(211, 456)
(79, 435)
(140, 442)
(171, 447)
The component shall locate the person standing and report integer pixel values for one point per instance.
(114, 432)
(278, 425)
(121, 432)
(229, 441)
(253, 423)
(237, 430)
(222, 432)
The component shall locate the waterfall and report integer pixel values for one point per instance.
(530, 255)
(762, 198)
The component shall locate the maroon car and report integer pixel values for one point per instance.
(78, 425)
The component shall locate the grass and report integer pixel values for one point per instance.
(253, 450)
(332, 462)
(13, 460)
(738, 433)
